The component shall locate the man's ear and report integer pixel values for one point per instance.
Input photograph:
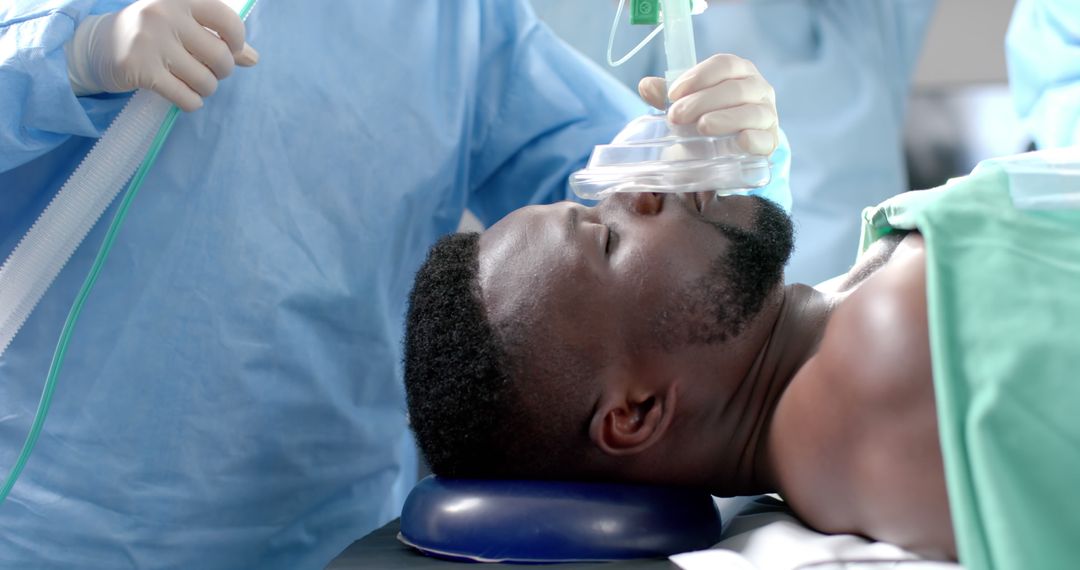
(630, 419)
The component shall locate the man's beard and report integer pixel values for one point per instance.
(718, 306)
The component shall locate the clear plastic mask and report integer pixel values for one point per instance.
(651, 155)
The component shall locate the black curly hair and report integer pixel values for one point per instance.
(464, 377)
(456, 378)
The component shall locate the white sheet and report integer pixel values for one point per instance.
(765, 534)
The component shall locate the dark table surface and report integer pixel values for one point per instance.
(381, 549)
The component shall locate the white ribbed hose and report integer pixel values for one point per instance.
(46, 248)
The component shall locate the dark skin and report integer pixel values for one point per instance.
(825, 397)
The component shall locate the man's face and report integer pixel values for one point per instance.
(637, 273)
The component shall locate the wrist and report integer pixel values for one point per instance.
(79, 61)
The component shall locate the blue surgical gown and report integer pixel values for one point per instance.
(841, 70)
(232, 396)
(1043, 53)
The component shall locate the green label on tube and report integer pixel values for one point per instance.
(644, 12)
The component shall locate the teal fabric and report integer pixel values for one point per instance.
(1003, 295)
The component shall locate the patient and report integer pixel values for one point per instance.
(652, 339)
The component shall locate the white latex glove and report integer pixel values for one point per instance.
(723, 95)
(178, 48)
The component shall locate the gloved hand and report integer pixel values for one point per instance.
(178, 48)
(722, 95)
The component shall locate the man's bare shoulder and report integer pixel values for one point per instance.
(875, 358)
(877, 330)
(864, 363)
(874, 258)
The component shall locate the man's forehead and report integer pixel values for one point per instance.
(527, 264)
(515, 257)
(504, 244)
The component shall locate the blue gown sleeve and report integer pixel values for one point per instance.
(1043, 53)
(541, 107)
(38, 109)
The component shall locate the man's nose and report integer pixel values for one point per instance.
(646, 203)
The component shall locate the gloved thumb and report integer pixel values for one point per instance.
(654, 91)
(247, 56)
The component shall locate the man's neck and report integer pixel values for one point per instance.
(793, 339)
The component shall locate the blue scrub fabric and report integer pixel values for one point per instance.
(1043, 54)
(232, 396)
(841, 70)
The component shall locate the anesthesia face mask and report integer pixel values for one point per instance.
(652, 155)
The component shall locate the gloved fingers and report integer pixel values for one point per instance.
(732, 120)
(217, 16)
(209, 49)
(758, 142)
(720, 67)
(724, 95)
(758, 116)
(171, 88)
(654, 91)
(247, 56)
(192, 72)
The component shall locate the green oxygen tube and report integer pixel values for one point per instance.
(678, 38)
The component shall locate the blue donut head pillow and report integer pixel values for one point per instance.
(553, 521)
